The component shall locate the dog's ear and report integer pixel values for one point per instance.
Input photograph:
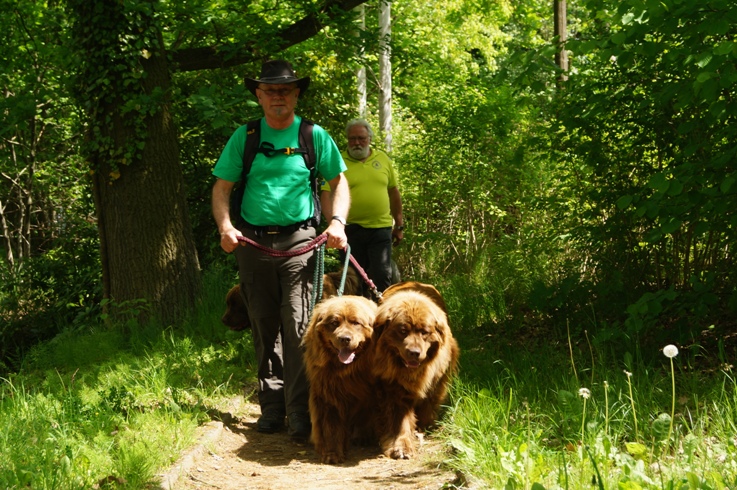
(368, 311)
(379, 329)
(321, 313)
(383, 319)
(318, 315)
(310, 333)
(440, 320)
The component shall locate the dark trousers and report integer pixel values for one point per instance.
(372, 249)
(278, 293)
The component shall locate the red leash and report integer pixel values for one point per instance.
(366, 278)
(316, 242)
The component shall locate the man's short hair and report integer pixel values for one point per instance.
(360, 122)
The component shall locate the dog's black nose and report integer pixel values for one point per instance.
(413, 353)
(345, 339)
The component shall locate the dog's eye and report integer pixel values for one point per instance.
(333, 323)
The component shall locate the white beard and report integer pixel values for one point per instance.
(358, 152)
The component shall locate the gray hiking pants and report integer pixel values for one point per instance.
(278, 293)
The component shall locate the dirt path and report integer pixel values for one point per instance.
(233, 455)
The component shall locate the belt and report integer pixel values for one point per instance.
(278, 230)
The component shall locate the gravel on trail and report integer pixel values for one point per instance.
(231, 454)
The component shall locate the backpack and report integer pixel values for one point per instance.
(254, 146)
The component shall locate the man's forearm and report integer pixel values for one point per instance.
(340, 197)
(326, 203)
(395, 206)
(221, 204)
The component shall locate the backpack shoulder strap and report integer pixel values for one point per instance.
(253, 140)
(306, 140)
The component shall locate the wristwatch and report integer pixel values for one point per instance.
(339, 219)
(399, 227)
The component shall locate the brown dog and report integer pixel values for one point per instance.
(236, 314)
(337, 358)
(415, 355)
(331, 283)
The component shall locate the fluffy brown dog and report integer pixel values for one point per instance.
(415, 355)
(337, 357)
(236, 314)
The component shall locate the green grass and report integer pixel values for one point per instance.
(517, 419)
(120, 404)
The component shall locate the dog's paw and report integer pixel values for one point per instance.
(398, 453)
(401, 449)
(331, 458)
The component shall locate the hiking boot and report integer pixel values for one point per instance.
(299, 426)
(270, 421)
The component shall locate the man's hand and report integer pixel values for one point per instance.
(229, 239)
(397, 236)
(336, 235)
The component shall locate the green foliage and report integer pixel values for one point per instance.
(113, 42)
(49, 293)
(49, 271)
(643, 179)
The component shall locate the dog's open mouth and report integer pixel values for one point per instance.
(346, 355)
(413, 364)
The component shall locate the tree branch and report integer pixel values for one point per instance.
(212, 57)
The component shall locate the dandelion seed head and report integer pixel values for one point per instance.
(606, 384)
(629, 374)
(585, 393)
(670, 351)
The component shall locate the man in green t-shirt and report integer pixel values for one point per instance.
(375, 220)
(278, 210)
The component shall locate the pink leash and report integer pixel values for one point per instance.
(316, 242)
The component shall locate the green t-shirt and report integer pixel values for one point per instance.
(278, 188)
(369, 182)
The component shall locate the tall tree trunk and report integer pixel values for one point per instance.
(361, 72)
(146, 241)
(9, 257)
(561, 35)
(147, 253)
(385, 73)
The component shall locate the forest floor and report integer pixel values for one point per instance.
(231, 454)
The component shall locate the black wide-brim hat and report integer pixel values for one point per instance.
(278, 71)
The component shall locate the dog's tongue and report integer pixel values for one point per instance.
(346, 356)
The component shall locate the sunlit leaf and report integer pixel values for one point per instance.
(636, 449)
(724, 48)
